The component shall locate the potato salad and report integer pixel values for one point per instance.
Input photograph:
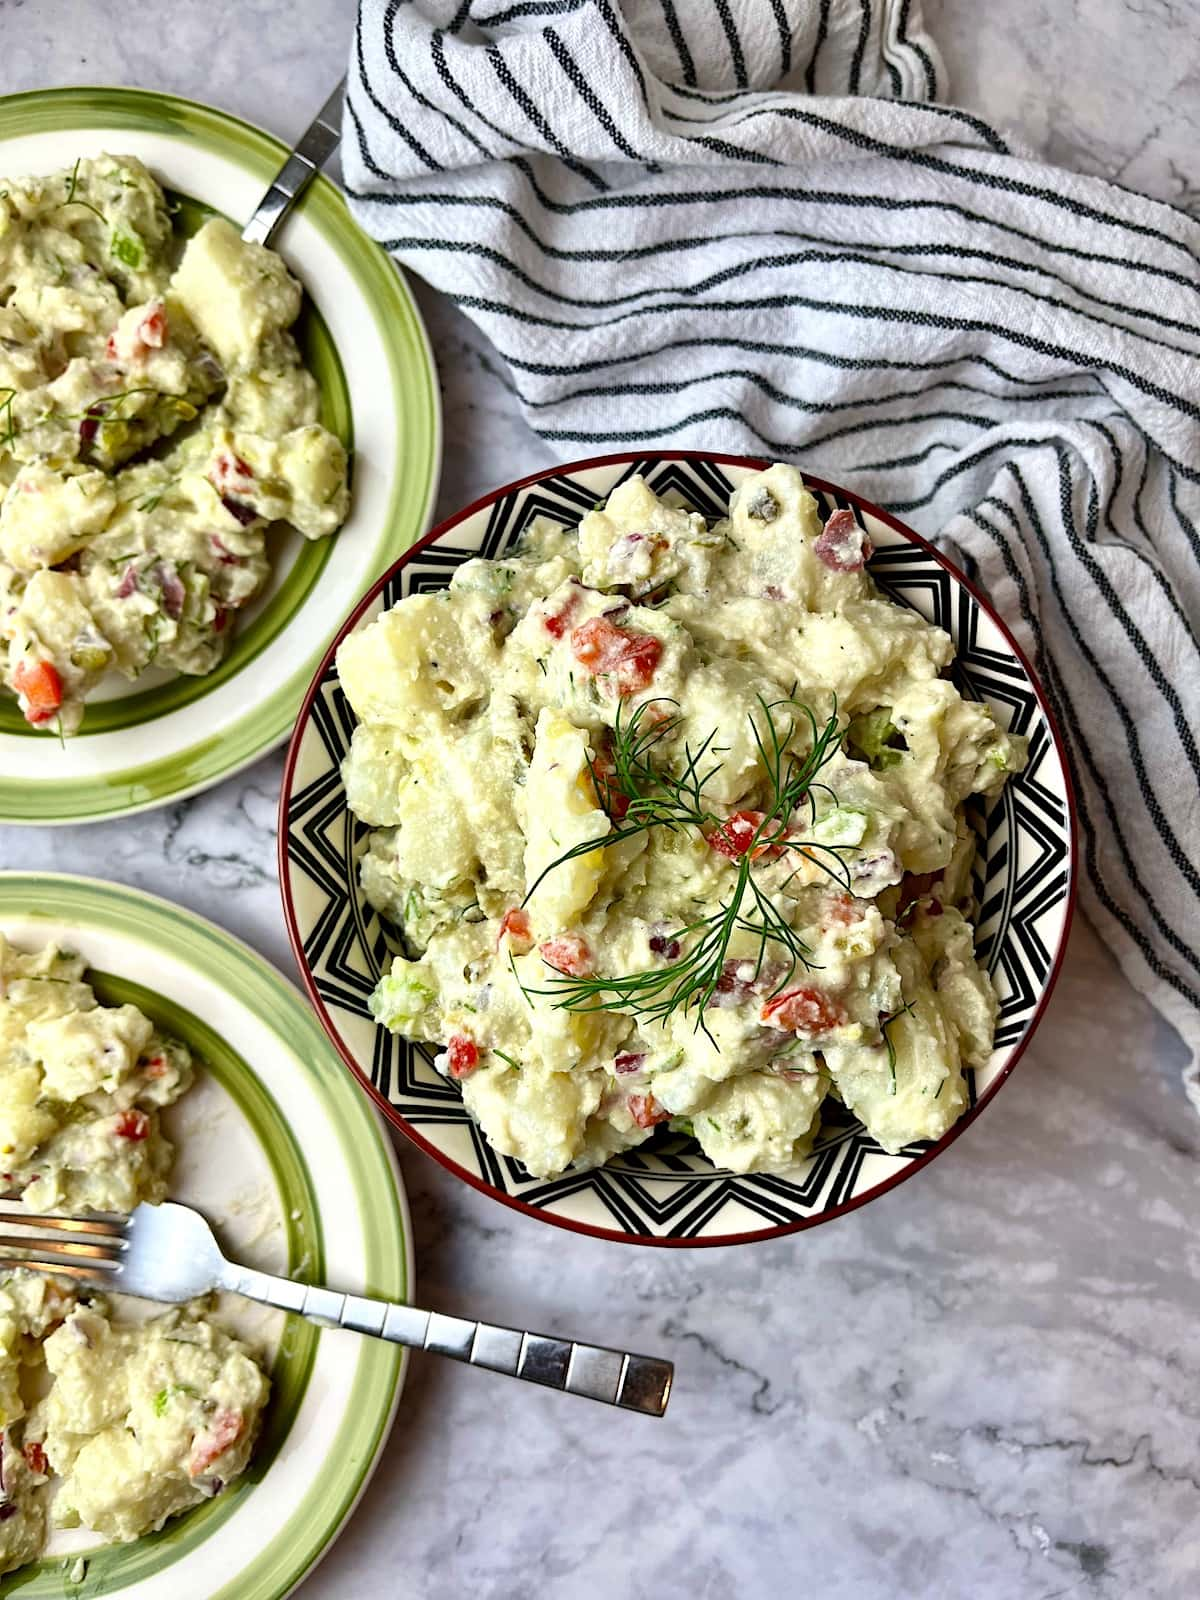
(668, 818)
(81, 1088)
(142, 1419)
(155, 420)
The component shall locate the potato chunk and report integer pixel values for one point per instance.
(236, 293)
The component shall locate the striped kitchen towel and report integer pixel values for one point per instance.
(748, 225)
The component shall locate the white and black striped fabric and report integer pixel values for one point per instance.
(745, 225)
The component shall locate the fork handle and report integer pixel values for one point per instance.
(312, 150)
(619, 1378)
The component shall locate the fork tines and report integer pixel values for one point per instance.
(78, 1247)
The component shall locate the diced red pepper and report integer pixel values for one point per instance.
(134, 344)
(646, 1111)
(133, 1125)
(515, 927)
(630, 658)
(567, 953)
(156, 1067)
(40, 688)
(843, 910)
(230, 472)
(735, 837)
(805, 1011)
(641, 659)
(628, 1061)
(463, 1056)
(35, 1457)
(152, 330)
(224, 1429)
(842, 544)
(598, 645)
(614, 800)
(557, 622)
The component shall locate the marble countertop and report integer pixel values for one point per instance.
(986, 1385)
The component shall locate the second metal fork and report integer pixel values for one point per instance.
(169, 1253)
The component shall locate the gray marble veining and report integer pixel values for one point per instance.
(1110, 87)
(986, 1386)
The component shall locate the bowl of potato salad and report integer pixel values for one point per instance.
(207, 447)
(677, 848)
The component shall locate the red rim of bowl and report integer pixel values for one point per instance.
(625, 458)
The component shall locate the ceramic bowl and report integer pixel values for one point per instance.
(666, 1192)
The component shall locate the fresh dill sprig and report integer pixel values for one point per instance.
(517, 979)
(90, 411)
(772, 928)
(152, 629)
(651, 794)
(687, 982)
(902, 1011)
(655, 796)
(690, 981)
(584, 848)
(515, 1065)
(71, 200)
(792, 781)
(106, 400)
(152, 501)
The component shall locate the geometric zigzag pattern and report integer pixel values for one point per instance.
(667, 1192)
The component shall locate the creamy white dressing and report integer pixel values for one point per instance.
(780, 940)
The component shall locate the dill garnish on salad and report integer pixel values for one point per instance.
(669, 820)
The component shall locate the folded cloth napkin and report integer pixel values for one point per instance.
(746, 225)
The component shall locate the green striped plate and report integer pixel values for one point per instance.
(312, 1191)
(165, 737)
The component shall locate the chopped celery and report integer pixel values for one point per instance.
(871, 737)
(842, 825)
(400, 998)
(126, 248)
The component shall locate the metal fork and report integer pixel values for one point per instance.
(168, 1253)
(310, 153)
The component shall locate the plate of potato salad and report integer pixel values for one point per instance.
(208, 448)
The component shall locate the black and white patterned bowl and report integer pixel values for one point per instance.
(666, 1193)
